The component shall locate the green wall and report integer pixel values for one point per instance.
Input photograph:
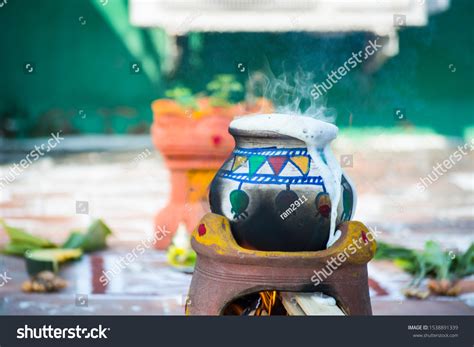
(83, 79)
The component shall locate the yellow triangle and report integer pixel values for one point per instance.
(238, 161)
(302, 162)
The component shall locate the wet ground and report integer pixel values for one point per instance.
(126, 186)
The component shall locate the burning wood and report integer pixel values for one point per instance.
(310, 304)
(268, 303)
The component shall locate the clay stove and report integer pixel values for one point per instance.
(225, 271)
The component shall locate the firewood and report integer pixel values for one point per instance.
(310, 304)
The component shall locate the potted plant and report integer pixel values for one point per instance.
(190, 131)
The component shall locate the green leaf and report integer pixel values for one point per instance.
(214, 85)
(236, 87)
(386, 251)
(221, 89)
(407, 265)
(93, 240)
(19, 249)
(183, 96)
(75, 240)
(436, 260)
(463, 264)
(432, 261)
(23, 239)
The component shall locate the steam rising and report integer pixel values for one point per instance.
(291, 94)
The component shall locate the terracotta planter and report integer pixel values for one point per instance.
(194, 144)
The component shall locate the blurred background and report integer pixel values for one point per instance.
(83, 53)
(91, 69)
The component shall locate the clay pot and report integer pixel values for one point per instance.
(274, 194)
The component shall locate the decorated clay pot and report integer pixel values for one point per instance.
(281, 184)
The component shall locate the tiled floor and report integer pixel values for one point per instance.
(126, 193)
(149, 286)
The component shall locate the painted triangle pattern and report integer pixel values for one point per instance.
(255, 162)
(270, 165)
(302, 163)
(277, 163)
(265, 169)
(228, 164)
(238, 162)
(290, 170)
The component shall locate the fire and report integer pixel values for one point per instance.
(268, 300)
(262, 303)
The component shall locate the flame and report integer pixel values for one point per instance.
(268, 301)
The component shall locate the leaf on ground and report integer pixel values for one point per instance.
(75, 240)
(21, 237)
(463, 264)
(93, 240)
(21, 241)
(432, 261)
(387, 251)
(436, 260)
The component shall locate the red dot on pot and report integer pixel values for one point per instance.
(201, 229)
(364, 237)
(217, 140)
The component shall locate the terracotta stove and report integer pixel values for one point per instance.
(225, 271)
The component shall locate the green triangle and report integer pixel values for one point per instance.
(255, 162)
